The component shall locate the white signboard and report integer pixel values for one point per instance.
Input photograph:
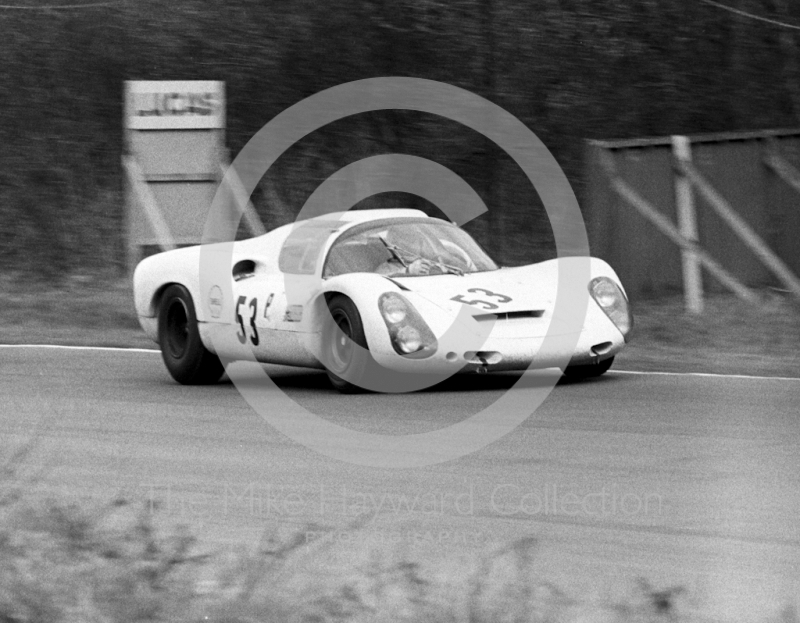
(174, 105)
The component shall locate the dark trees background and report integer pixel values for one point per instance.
(569, 69)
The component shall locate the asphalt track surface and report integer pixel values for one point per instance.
(686, 480)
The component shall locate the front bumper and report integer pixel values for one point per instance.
(498, 354)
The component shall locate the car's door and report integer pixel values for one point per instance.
(258, 306)
(269, 321)
(270, 306)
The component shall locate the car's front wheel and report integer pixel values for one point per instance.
(345, 345)
(589, 370)
(186, 358)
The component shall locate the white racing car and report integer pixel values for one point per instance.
(376, 290)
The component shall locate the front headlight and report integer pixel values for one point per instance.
(409, 334)
(393, 309)
(408, 339)
(612, 301)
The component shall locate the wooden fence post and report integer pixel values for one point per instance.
(665, 226)
(740, 227)
(687, 224)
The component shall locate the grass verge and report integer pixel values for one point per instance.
(730, 337)
(80, 311)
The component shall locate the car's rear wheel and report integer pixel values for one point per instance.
(345, 354)
(187, 360)
(590, 370)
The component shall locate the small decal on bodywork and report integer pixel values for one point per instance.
(294, 313)
(268, 303)
(215, 301)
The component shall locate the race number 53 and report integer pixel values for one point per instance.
(500, 298)
(251, 314)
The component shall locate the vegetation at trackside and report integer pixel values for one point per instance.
(67, 563)
(84, 560)
(111, 562)
(116, 560)
(569, 70)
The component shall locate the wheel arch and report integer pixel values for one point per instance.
(158, 296)
(321, 304)
(148, 308)
(364, 291)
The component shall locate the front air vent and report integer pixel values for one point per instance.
(514, 315)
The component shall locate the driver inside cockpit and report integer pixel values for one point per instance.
(408, 255)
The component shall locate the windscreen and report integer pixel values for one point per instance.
(406, 247)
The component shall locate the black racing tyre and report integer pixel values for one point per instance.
(590, 370)
(341, 357)
(188, 361)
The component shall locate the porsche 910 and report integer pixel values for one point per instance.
(359, 291)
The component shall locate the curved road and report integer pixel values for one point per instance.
(681, 479)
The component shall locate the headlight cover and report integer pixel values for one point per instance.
(613, 302)
(409, 334)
